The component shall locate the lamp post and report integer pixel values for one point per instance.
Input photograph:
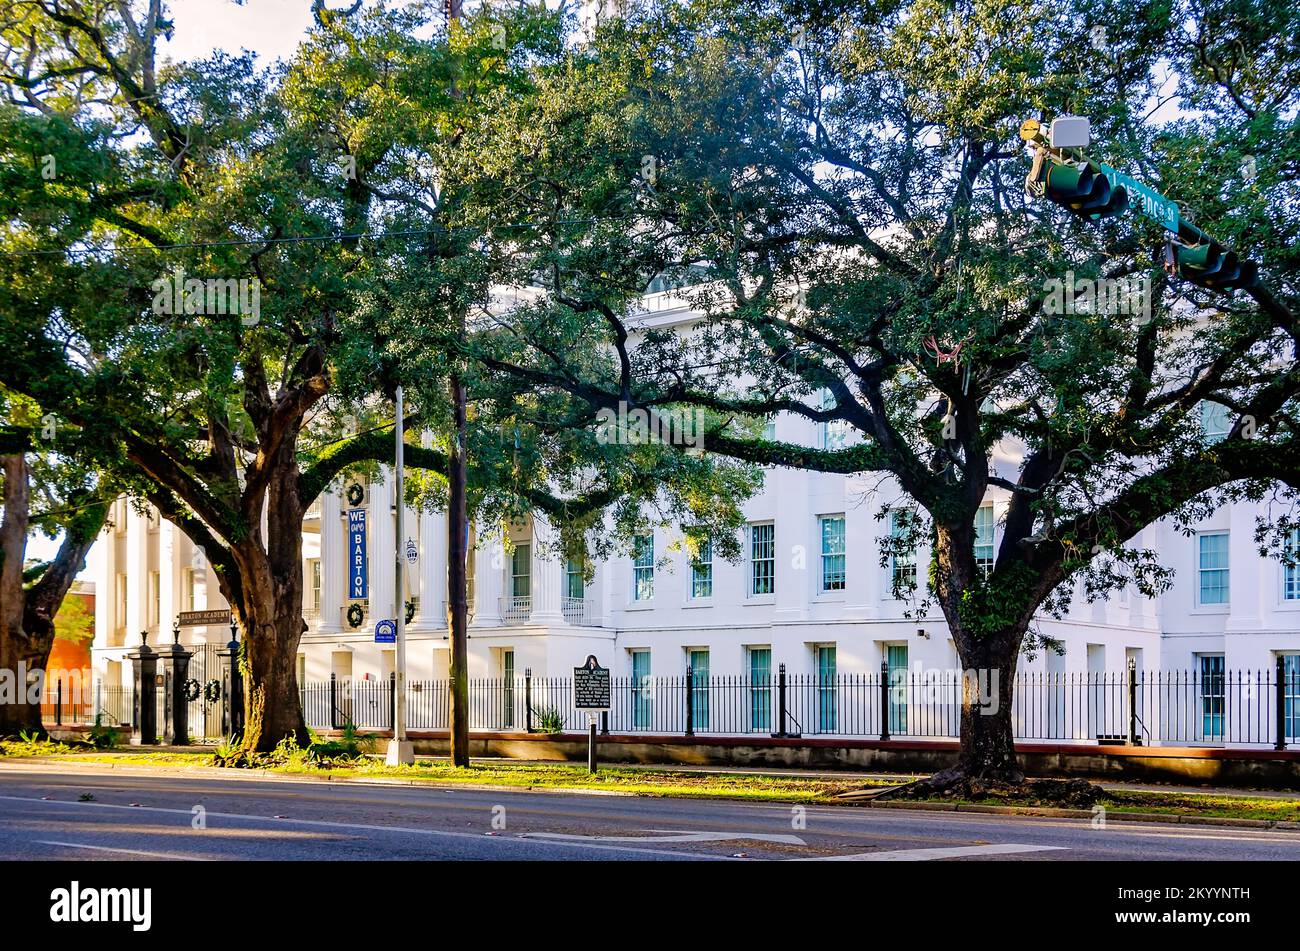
(400, 749)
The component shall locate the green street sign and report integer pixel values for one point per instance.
(1146, 200)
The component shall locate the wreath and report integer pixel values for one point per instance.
(212, 691)
(190, 690)
(410, 611)
(355, 493)
(355, 615)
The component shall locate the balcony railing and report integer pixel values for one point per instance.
(446, 610)
(579, 612)
(516, 610)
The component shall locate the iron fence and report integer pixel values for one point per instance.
(1221, 708)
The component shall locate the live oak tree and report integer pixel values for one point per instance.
(842, 192)
(40, 493)
(132, 186)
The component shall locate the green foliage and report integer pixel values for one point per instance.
(550, 720)
(103, 736)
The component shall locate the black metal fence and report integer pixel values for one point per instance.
(1222, 708)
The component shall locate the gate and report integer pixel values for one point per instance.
(205, 714)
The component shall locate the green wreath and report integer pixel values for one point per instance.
(355, 615)
(190, 690)
(212, 691)
(410, 611)
(355, 493)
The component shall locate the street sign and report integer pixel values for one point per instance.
(1146, 199)
(198, 618)
(591, 686)
(385, 632)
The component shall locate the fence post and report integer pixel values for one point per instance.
(884, 700)
(334, 700)
(1132, 702)
(99, 699)
(528, 699)
(58, 702)
(604, 722)
(1280, 703)
(392, 701)
(690, 702)
(780, 700)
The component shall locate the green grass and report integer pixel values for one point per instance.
(646, 782)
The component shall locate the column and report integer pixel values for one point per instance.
(489, 574)
(547, 569)
(106, 619)
(380, 549)
(169, 582)
(433, 571)
(137, 574)
(863, 576)
(333, 561)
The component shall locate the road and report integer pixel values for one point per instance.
(85, 816)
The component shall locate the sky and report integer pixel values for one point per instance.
(270, 28)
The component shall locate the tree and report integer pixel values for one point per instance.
(227, 417)
(31, 596)
(841, 189)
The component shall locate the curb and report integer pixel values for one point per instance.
(1110, 814)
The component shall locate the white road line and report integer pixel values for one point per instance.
(926, 855)
(104, 848)
(671, 836)
(348, 826)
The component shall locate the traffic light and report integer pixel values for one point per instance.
(1208, 264)
(1081, 187)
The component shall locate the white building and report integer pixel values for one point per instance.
(811, 594)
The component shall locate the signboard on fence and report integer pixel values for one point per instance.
(198, 618)
(385, 632)
(591, 686)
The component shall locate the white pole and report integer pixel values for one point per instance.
(400, 749)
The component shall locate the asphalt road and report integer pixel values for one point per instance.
(63, 815)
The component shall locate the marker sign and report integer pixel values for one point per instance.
(591, 686)
(385, 632)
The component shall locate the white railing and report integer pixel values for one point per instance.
(516, 610)
(578, 611)
(446, 611)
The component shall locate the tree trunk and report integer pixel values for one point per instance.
(987, 741)
(16, 650)
(268, 607)
(457, 582)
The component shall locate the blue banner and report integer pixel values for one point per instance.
(358, 589)
(386, 632)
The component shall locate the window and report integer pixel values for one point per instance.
(903, 563)
(1291, 694)
(1291, 572)
(760, 689)
(1211, 686)
(827, 706)
(896, 658)
(984, 539)
(315, 584)
(831, 435)
(575, 582)
(521, 570)
(641, 690)
(155, 597)
(832, 552)
(702, 570)
(699, 661)
(1213, 567)
(643, 568)
(1216, 421)
(769, 428)
(762, 558)
(119, 621)
(508, 688)
(187, 589)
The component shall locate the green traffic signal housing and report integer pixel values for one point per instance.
(1207, 264)
(1082, 187)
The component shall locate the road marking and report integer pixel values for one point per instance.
(674, 836)
(347, 826)
(926, 855)
(174, 856)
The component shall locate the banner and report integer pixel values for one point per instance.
(358, 589)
